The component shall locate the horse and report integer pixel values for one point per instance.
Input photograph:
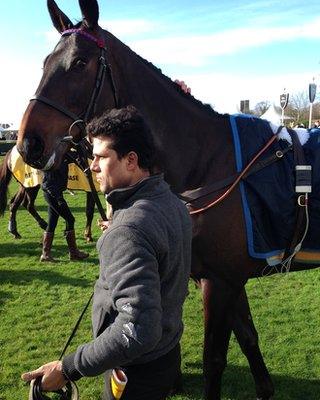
(89, 71)
(26, 197)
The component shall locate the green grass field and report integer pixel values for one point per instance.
(40, 302)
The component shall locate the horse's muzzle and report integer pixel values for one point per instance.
(31, 149)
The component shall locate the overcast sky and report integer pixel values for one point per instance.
(225, 50)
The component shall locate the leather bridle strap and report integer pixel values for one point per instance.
(56, 106)
(103, 68)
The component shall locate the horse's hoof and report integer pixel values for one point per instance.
(89, 239)
(17, 236)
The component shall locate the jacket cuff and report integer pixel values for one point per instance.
(68, 368)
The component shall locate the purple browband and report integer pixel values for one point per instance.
(99, 42)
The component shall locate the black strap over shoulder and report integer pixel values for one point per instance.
(300, 224)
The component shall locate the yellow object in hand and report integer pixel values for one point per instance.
(118, 382)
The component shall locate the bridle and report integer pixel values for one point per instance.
(82, 119)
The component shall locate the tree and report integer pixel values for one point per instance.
(298, 107)
(316, 111)
(261, 107)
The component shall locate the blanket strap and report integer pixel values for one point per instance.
(193, 195)
(190, 196)
(236, 181)
(300, 223)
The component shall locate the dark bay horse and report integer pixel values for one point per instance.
(26, 196)
(197, 147)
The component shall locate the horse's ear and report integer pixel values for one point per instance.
(90, 12)
(60, 21)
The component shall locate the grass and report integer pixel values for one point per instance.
(40, 302)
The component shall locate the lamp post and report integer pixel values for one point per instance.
(284, 98)
(312, 96)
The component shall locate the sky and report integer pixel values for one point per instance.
(226, 51)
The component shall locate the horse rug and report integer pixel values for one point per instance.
(30, 177)
(268, 196)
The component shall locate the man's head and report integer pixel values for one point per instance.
(123, 148)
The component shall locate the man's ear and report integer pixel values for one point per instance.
(132, 160)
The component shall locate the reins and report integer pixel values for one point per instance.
(237, 180)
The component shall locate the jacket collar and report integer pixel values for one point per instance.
(147, 187)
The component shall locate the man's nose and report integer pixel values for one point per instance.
(93, 165)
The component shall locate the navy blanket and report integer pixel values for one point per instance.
(268, 196)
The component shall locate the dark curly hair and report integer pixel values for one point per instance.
(128, 131)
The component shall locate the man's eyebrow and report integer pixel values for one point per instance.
(99, 154)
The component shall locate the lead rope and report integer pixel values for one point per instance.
(76, 326)
(70, 391)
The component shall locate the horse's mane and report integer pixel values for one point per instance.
(204, 107)
(198, 103)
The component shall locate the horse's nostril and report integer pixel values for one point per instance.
(31, 148)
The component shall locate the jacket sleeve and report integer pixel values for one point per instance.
(129, 269)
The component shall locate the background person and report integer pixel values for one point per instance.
(144, 269)
(53, 185)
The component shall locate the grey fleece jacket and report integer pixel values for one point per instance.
(145, 258)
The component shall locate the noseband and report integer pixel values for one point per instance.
(69, 392)
(91, 108)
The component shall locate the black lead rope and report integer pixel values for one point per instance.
(75, 328)
(81, 160)
(84, 165)
(68, 392)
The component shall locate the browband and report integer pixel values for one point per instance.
(99, 41)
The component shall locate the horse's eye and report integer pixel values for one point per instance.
(79, 64)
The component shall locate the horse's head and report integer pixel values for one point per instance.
(69, 91)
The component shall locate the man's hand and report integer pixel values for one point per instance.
(52, 377)
(103, 225)
(184, 87)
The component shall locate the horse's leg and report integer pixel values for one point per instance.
(13, 207)
(248, 340)
(219, 301)
(89, 215)
(28, 202)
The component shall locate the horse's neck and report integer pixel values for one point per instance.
(189, 136)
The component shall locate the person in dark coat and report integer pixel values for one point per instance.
(145, 258)
(54, 183)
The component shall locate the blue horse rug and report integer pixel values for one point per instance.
(268, 196)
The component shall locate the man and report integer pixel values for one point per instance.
(144, 268)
